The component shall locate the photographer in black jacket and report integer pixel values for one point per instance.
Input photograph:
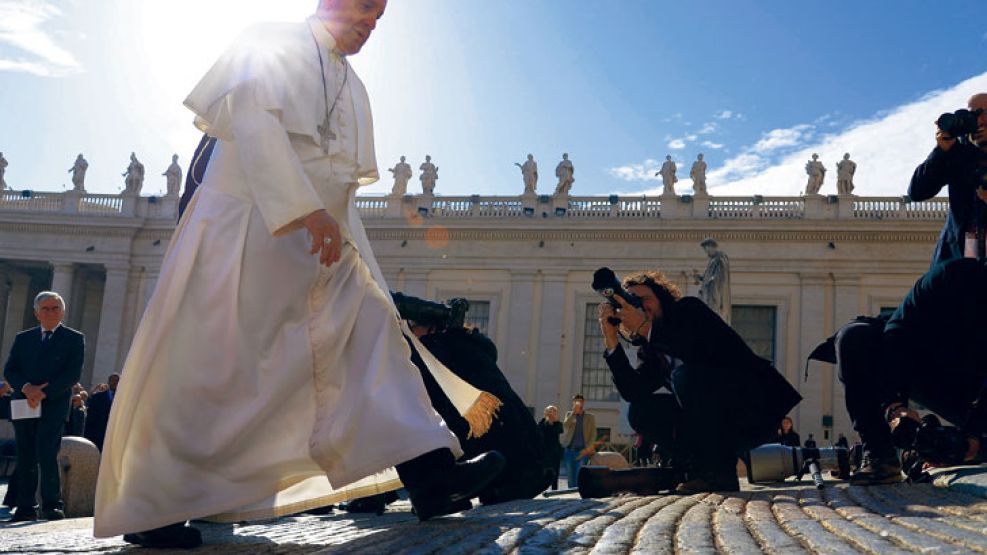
(931, 351)
(725, 398)
(958, 162)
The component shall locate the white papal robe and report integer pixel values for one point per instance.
(259, 382)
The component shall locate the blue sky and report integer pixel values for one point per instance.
(756, 86)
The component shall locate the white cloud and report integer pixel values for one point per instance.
(644, 171)
(782, 138)
(711, 144)
(724, 114)
(887, 148)
(676, 144)
(707, 128)
(21, 23)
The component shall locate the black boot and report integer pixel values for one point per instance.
(174, 536)
(437, 485)
(600, 481)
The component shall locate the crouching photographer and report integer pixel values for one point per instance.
(930, 351)
(958, 161)
(725, 399)
(473, 357)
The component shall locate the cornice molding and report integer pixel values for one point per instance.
(652, 235)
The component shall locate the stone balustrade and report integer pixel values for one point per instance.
(89, 204)
(755, 207)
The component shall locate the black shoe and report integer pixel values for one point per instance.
(52, 514)
(175, 536)
(445, 493)
(877, 470)
(24, 515)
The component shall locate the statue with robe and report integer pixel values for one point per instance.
(714, 283)
(564, 171)
(817, 173)
(845, 169)
(133, 177)
(3, 170)
(667, 173)
(173, 175)
(402, 173)
(698, 175)
(429, 175)
(529, 173)
(78, 171)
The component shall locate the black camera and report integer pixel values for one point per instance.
(959, 123)
(427, 313)
(932, 441)
(605, 282)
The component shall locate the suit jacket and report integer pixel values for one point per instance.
(955, 169)
(694, 334)
(569, 429)
(97, 418)
(58, 363)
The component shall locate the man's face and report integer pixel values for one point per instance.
(980, 102)
(710, 249)
(49, 313)
(350, 22)
(577, 406)
(113, 381)
(650, 303)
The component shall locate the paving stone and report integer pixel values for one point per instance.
(784, 518)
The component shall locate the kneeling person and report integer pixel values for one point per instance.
(929, 351)
(724, 398)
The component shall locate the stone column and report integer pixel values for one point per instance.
(17, 301)
(812, 329)
(110, 322)
(61, 279)
(4, 296)
(522, 312)
(550, 342)
(846, 306)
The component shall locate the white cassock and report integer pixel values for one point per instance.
(259, 382)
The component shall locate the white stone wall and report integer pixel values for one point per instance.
(819, 261)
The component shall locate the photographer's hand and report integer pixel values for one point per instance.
(610, 333)
(944, 140)
(633, 319)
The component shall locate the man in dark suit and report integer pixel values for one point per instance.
(725, 399)
(955, 162)
(99, 412)
(930, 351)
(44, 363)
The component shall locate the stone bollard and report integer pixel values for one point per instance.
(78, 465)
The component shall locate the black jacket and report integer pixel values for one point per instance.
(98, 417)
(694, 334)
(473, 357)
(57, 363)
(957, 170)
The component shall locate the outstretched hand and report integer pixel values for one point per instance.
(327, 241)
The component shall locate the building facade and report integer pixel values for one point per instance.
(801, 267)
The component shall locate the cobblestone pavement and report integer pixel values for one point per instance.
(783, 519)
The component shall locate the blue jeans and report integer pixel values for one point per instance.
(572, 463)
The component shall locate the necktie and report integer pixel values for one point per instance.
(45, 337)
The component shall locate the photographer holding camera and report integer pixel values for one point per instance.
(726, 399)
(930, 351)
(959, 160)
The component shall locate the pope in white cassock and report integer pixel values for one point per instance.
(269, 374)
